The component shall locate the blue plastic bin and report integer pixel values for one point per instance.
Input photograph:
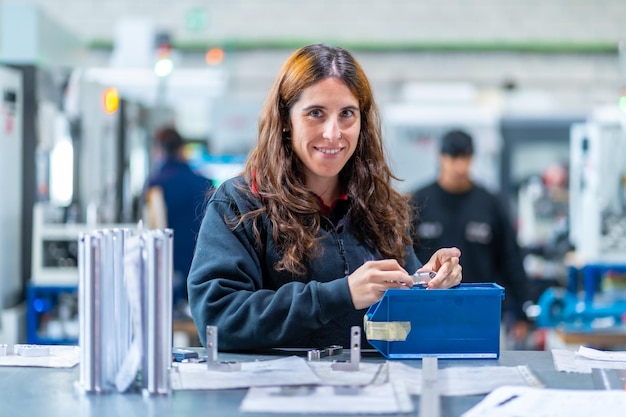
(459, 322)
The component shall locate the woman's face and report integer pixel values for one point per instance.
(325, 128)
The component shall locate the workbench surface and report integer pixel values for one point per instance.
(51, 392)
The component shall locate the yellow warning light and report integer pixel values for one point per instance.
(111, 100)
(214, 56)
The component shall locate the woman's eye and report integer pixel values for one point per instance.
(315, 113)
(347, 113)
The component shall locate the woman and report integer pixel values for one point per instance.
(291, 253)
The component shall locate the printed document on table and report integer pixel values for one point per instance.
(470, 380)
(371, 399)
(59, 357)
(512, 401)
(368, 373)
(291, 370)
(571, 361)
(601, 355)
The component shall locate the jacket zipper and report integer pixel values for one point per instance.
(342, 249)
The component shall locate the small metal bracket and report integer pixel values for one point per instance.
(317, 354)
(212, 363)
(355, 352)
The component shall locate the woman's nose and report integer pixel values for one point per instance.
(332, 132)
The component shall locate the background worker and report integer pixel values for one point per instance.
(455, 211)
(175, 197)
(293, 252)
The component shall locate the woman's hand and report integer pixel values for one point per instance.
(370, 281)
(445, 262)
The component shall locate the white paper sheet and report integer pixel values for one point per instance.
(511, 401)
(570, 361)
(380, 399)
(60, 357)
(368, 373)
(291, 370)
(458, 381)
(601, 355)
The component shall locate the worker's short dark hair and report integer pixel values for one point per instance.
(457, 143)
(169, 139)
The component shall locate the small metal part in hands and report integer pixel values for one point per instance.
(211, 354)
(317, 354)
(423, 277)
(355, 352)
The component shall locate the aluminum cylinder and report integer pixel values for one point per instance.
(158, 311)
(90, 314)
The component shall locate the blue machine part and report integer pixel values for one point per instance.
(585, 308)
(44, 304)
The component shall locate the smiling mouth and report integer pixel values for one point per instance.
(329, 151)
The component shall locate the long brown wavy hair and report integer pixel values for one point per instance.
(379, 214)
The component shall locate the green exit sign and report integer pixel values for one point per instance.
(196, 19)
